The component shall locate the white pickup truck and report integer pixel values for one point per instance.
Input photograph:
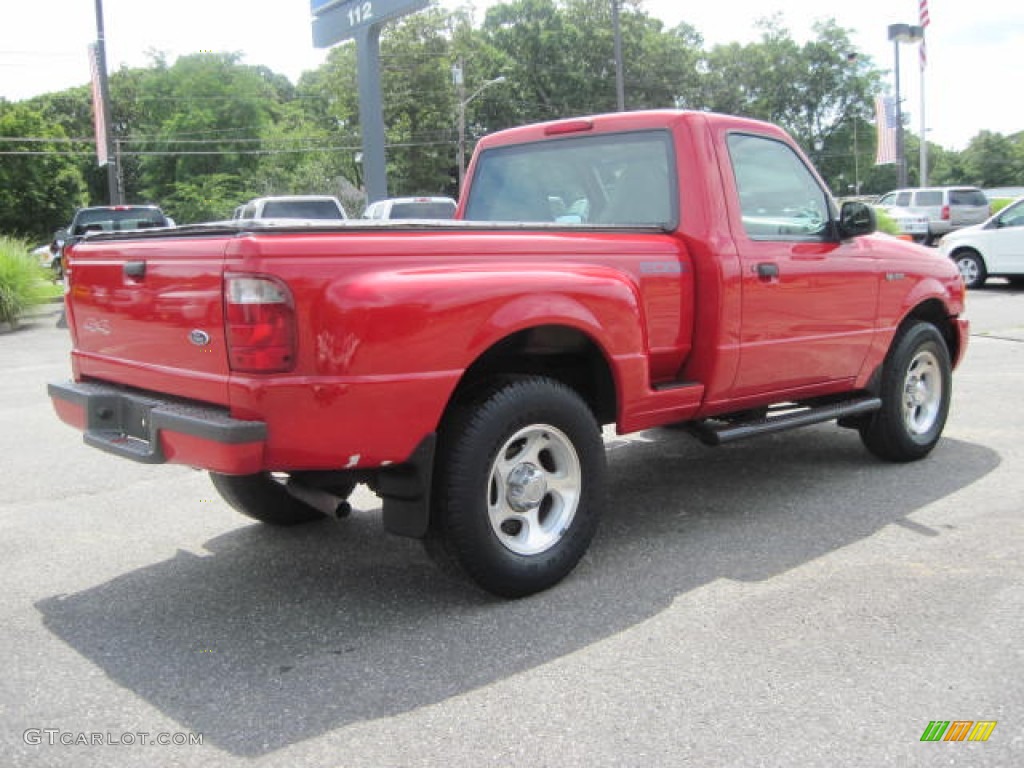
(319, 207)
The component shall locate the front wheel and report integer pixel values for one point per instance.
(916, 388)
(972, 268)
(519, 487)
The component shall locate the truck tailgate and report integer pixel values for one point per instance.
(149, 313)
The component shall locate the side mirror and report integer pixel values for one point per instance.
(856, 219)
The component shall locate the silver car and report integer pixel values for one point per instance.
(947, 208)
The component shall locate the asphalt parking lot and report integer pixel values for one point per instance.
(788, 601)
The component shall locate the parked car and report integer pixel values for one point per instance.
(947, 208)
(105, 218)
(117, 218)
(910, 223)
(465, 371)
(992, 249)
(48, 256)
(319, 207)
(411, 208)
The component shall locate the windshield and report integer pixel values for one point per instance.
(604, 180)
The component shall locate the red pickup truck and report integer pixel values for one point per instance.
(635, 270)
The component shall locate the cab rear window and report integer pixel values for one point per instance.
(609, 180)
(118, 220)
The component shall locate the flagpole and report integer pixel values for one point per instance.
(924, 19)
(924, 137)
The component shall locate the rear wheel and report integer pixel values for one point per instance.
(519, 487)
(264, 497)
(915, 390)
(972, 268)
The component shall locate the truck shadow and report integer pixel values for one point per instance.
(277, 636)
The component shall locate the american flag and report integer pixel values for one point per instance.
(886, 120)
(925, 20)
(99, 121)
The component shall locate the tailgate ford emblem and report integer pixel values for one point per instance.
(199, 338)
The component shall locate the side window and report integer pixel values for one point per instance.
(779, 197)
(928, 197)
(903, 199)
(1012, 217)
(889, 199)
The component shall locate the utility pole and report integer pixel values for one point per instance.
(459, 80)
(620, 85)
(113, 189)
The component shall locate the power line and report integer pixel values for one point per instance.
(186, 153)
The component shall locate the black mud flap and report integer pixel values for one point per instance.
(405, 490)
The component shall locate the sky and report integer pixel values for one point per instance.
(972, 80)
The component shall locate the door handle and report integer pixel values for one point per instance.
(767, 271)
(135, 269)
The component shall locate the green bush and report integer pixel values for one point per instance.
(886, 223)
(21, 280)
(997, 204)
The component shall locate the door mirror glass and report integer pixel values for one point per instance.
(856, 219)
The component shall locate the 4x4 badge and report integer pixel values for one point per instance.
(199, 338)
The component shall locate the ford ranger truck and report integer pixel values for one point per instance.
(636, 270)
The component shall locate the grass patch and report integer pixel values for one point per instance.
(23, 283)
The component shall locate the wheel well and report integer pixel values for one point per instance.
(557, 352)
(933, 311)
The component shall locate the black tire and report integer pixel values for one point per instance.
(915, 389)
(972, 267)
(519, 486)
(264, 498)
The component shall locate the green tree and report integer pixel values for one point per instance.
(40, 185)
(816, 91)
(204, 197)
(993, 160)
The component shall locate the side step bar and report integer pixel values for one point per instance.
(712, 433)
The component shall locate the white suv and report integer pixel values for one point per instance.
(947, 208)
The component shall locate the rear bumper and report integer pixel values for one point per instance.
(154, 429)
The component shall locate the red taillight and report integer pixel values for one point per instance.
(945, 213)
(260, 323)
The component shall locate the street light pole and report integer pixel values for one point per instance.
(901, 33)
(460, 84)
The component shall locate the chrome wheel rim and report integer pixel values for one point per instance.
(922, 393)
(534, 489)
(968, 270)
